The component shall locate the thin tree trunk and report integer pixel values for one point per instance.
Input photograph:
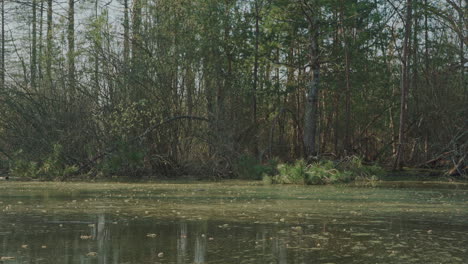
(427, 63)
(2, 69)
(107, 66)
(136, 49)
(49, 43)
(347, 145)
(136, 27)
(415, 48)
(41, 22)
(255, 82)
(126, 25)
(404, 88)
(71, 48)
(96, 58)
(126, 49)
(190, 83)
(462, 52)
(34, 45)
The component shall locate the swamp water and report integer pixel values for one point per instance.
(231, 222)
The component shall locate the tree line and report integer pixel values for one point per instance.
(170, 87)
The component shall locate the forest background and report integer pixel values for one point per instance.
(209, 87)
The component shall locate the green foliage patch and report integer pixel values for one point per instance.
(127, 159)
(324, 172)
(51, 167)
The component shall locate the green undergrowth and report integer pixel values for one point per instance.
(50, 168)
(324, 172)
(249, 168)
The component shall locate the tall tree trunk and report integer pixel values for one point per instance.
(136, 27)
(347, 143)
(462, 52)
(190, 87)
(97, 47)
(255, 77)
(347, 57)
(34, 45)
(311, 103)
(41, 22)
(49, 44)
(71, 48)
(107, 66)
(399, 160)
(415, 52)
(2, 66)
(136, 48)
(126, 48)
(126, 25)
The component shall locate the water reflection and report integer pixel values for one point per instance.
(108, 239)
(182, 243)
(200, 250)
(279, 250)
(343, 229)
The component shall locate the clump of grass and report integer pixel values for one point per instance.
(324, 172)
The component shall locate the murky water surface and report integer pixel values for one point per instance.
(231, 222)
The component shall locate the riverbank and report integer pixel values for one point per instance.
(410, 178)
